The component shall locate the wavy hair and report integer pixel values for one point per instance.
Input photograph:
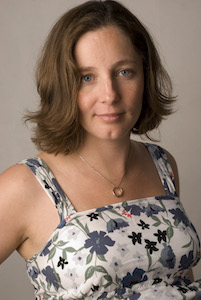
(57, 127)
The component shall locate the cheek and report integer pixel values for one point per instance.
(136, 98)
(85, 101)
(82, 103)
(85, 110)
(135, 110)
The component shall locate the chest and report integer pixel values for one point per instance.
(86, 189)
(115, 249)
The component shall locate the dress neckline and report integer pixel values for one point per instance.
(154, 157)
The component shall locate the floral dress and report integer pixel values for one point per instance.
(137, 249)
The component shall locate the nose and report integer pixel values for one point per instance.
(109, 91)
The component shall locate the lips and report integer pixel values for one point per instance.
(110, 117)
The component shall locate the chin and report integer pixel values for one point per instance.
(109, 134)
(112, 136)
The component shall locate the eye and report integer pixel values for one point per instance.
(86, 78)
(125, 72)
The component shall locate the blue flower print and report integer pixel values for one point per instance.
(136, 277)
(179, 215)
(186, 261)
(166, 187)
(33, 164)
(167, 197)
(33, 272)
(98, 242)
(51, 277)
(135, 296)
(198, 295)
(62, 224)
(103, 296)
(104, 208)
(129, 250)
(168, 258)
(134, 209)
(46, 250)
(58, 187)
(195, 233)
(152, 209)
(116, 224)
(122, 291)
(158, 152)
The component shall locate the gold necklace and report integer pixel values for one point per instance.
(117, 190)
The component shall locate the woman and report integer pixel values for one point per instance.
(121, 231)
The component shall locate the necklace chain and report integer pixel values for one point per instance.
(117, 190)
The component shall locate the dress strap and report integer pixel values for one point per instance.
(50, 185)
(164, 168)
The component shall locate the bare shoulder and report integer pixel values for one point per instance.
(15, 180)
(173, 165)
(15, 183)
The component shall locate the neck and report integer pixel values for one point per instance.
(108, 157)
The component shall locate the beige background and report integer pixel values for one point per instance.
(176, 26)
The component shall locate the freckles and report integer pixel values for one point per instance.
(84, 105)
(81, 101)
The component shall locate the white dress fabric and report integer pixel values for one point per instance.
(136, 249)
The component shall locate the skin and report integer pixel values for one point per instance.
(112, 85)
(110, 101)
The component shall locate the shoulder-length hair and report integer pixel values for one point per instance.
(58, 129)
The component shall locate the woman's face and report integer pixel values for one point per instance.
(112, 83)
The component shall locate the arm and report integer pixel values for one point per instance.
(176, 176)
(12, 210)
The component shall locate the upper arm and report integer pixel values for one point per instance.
(12, 210)
(173, 165)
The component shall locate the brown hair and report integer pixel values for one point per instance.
(57, 120)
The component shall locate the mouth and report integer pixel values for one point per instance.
(114, 117)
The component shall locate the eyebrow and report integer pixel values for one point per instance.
(124, 62)
(116, 65)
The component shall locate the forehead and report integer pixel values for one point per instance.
(104, 44)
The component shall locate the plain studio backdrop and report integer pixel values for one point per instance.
(174, 24)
